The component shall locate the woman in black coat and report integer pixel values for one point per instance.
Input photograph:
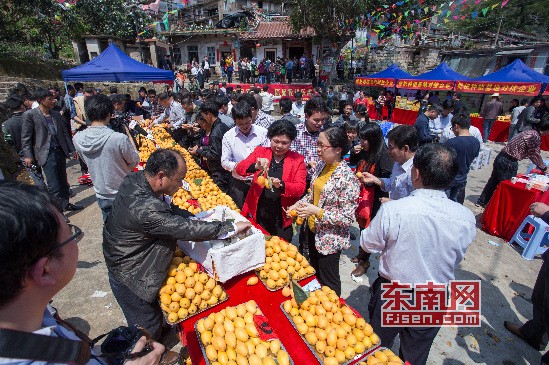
(372, 156)
(208, 150)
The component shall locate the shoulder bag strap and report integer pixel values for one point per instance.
(31, 346)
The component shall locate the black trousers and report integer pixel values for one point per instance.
(55, 173)
(504, 169)
(136, 310)
(536, 329)
(238, 190)
(415, 342)
(457, 193)
(326, 266)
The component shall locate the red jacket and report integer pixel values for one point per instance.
(294, 174)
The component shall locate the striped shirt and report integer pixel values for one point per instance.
(526, 145)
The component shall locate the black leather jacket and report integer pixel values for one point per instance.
(139, 237)
(212, 154)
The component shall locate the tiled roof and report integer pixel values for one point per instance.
(280, 29)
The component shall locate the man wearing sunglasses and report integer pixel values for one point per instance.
(141, 233)
(38, 257)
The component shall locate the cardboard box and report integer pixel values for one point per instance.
(223, 259)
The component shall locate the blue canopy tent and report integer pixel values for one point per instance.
(515, 79)
(440, 78)
(385, 78)
(115, 66)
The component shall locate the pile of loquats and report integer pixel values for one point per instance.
(187, 291)
(283, 262)
(382, 357)
(333, 331)
(230, 337)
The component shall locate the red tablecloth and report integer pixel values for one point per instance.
(403, 116)
(372, 112)
(269, 303)
(499, 131)
(508, 207)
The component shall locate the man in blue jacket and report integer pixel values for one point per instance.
(422, 124)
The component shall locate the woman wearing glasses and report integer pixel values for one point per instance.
(287, 174)
(329, 207)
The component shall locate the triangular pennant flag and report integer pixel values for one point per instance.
(477, 1)
(453, 7)
(455, 17)
(474, 15)
(494, 6)
(484, 11)
(464, 7)
(426, 9)
(504, 2)
(446, 20)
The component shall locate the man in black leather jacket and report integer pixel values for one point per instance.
(141, 233)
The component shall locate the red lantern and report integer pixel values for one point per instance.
(258, 45)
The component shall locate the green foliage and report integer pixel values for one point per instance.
(49, 25)
(526, 15)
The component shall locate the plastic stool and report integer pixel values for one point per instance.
(533, 243)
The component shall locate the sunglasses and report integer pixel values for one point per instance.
(76, 235)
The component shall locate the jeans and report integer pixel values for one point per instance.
(55, 172)
(229, 76)
(105, 205)
(136, 310)
(512, 131)
(415, 342)
(504, 169)
(487, 126)
(456, 193)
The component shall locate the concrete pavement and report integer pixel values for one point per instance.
(507, 282)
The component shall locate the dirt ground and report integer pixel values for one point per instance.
(507, 282)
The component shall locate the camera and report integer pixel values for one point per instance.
(120, 342)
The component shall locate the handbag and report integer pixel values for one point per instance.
(363, 212)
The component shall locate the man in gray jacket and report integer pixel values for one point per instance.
(110, 155)
(490, 112)
(527, 118)
(46, 142)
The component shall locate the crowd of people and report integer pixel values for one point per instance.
(330, 171)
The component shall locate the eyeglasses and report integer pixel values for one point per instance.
(76, 235)
(320, 145)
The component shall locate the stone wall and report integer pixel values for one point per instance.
(414, 60)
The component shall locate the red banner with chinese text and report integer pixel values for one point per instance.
(281, 90)
(510, 88)
(365, 81)
(425, 85)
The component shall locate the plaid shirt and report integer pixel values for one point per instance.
(305, 144)
(155, 108)
(264, 120)
(526, 145)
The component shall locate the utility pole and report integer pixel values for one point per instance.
(497, 34)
